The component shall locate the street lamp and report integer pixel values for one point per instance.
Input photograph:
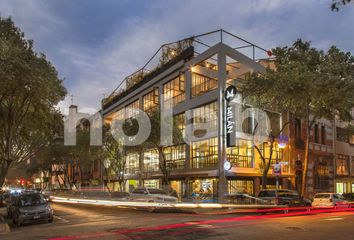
(106, 164)
(282, 142)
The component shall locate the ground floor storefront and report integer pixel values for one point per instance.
(344, 185)
(205, 189)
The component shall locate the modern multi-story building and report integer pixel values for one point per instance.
(191, 77)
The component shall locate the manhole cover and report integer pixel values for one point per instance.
(294, 228)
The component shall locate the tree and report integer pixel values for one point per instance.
(115, 152)
(267, 160)
(336, 4)
(308, 83)
(29, 91)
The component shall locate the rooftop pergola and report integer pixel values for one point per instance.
(172, 52)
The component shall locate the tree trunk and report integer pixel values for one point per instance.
(163, 168)
(5, 166)
(306, 158)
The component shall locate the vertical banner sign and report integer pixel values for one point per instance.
(230, 94)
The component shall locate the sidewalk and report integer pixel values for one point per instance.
(4, 227)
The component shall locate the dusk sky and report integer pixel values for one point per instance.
(95, 44)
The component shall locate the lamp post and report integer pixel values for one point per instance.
(282, 142)
(106, 164)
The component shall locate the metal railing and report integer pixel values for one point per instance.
(171, 51)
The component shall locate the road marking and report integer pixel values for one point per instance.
(62, 219)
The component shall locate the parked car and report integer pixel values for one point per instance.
(290, 198)
(2, 199)
(243, 198)
(9, 199)
(329, 200)
(29, 207)
(151, 195)
(348, 196)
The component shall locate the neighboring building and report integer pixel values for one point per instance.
(190, 80)
(344, 160)
(320, 174)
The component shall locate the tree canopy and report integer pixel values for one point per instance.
(309, 83)
(30, 89)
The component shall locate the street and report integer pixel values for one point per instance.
(90, 222)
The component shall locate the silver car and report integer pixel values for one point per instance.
(151, 195)
(329, 200)
(29, 207)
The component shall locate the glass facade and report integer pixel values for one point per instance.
(153, 183)
(180, 121)
(174, 91)
(151, 160)
(205, 114)
(205, 154)
(240, 186)
(151, 100)
(241, 155)
(203, 189)
(132, 163)
(175, 156)
(202, 84)
(129, 109)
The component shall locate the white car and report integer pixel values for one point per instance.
(329, 200)
(151, 195)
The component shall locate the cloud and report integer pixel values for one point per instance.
(94, 68)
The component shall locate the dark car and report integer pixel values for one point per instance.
(29, 207)
(286, 197)
(348, 196)
(2, 199)
(10, 203)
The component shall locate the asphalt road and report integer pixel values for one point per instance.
(92, 222)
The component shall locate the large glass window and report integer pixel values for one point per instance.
(151, 100)
(241, 155)
(240, 186)
(277, 154)
(205, 114)
(203, 190)
(321, 175)
(180, 121)
(119, 115)
(205, 153)
(129, 109)
(175, 156)
(174, 91)
(202, 84)
(342, 165)
(151, 161)
(132, 163)
(153, 183)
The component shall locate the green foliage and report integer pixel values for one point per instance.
(29, 91)
(308, 83)
(336, 4)
(303, 78)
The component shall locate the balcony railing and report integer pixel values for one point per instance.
(240, 161)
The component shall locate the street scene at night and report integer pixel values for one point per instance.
(176, 119)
